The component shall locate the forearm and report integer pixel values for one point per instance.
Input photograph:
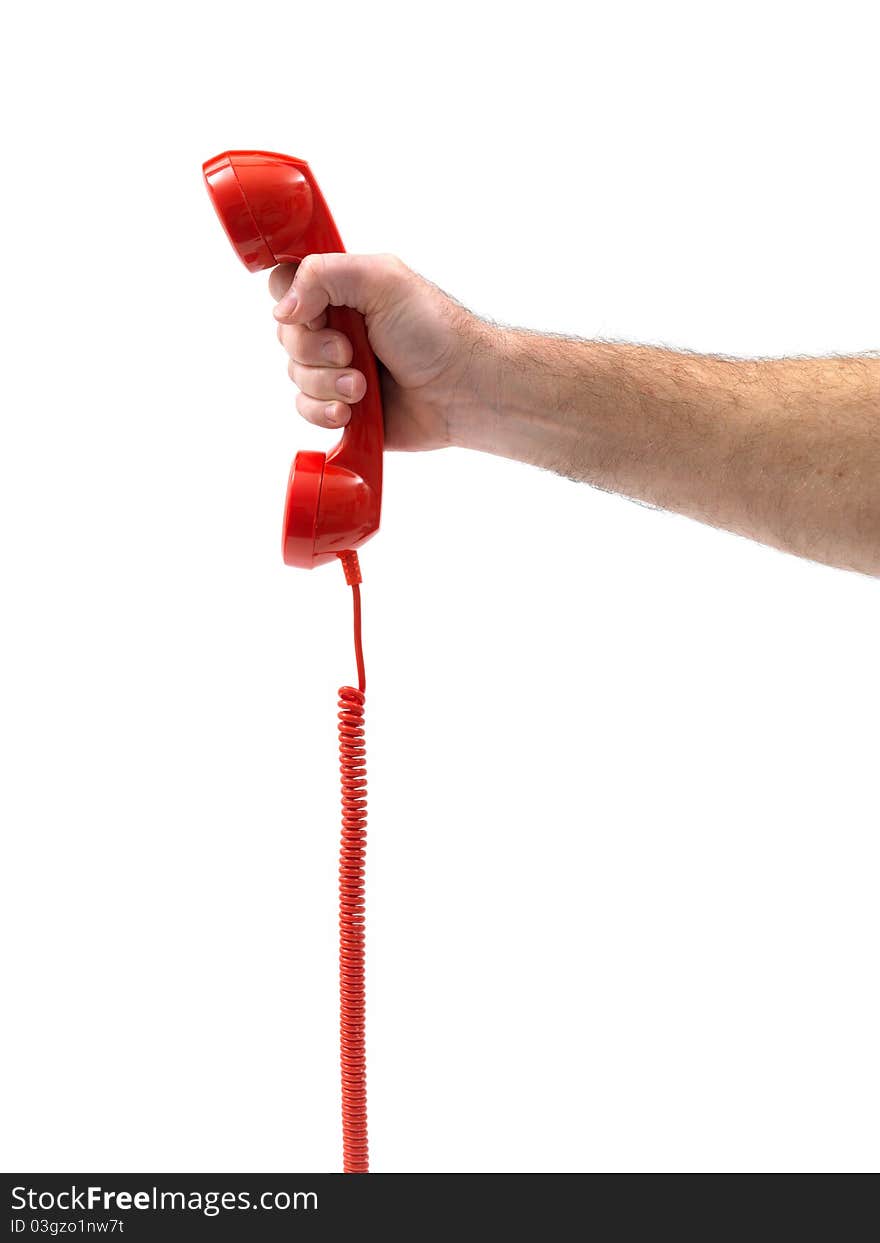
(786, 452)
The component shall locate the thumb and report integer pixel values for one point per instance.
(359, 281)
(280, 279)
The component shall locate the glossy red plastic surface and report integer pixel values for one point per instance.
(274, 212)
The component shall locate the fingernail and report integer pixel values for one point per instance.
(334, 413)
(330, 351)
(287, 305)
(345, 385)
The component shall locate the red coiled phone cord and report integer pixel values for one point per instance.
(353, 766)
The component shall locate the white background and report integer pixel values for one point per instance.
(624, 851)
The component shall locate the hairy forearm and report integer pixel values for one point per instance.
(783, 451)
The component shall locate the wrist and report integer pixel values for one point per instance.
(519, 396)
(474, 393)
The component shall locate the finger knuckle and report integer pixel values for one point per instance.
(298, 340)
(392, 265)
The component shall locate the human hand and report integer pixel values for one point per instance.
(430, 346)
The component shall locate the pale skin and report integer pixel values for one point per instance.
(783, 451)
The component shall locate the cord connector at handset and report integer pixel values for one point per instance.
(351, 566)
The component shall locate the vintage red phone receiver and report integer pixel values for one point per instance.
(273, 212)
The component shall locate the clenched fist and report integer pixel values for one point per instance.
(430, 346)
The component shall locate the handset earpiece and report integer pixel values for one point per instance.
(274, 212)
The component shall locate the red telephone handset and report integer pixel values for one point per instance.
(273, 212)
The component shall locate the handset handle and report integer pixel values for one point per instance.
(363, 440)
